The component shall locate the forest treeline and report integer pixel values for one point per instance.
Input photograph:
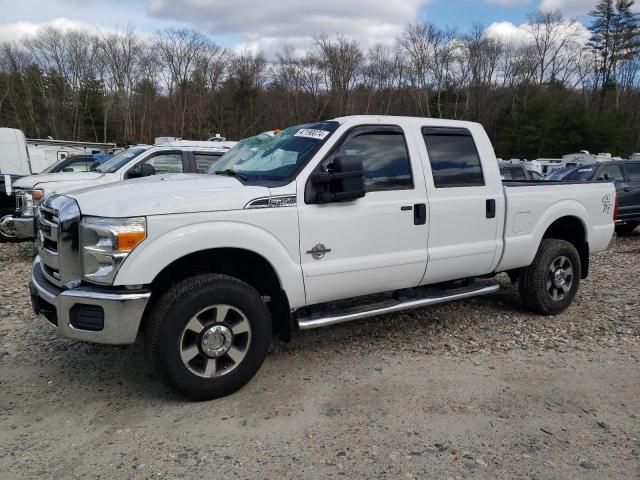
(555, 89)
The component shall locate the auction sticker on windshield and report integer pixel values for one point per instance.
(312, 133)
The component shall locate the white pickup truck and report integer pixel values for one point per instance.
(206, 267)
(135, 162)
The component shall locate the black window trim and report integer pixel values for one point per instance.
(452, 132)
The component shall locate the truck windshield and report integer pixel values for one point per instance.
(266, 157)
(120, 160)
(581, 174)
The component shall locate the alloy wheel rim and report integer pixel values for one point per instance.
(559, 278)
(215, 341)
(7, 226)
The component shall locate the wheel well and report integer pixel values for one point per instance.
(244, 265)
(571, 229)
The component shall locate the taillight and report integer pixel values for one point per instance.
(615, 208)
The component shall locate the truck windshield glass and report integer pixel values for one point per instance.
(55, 166)
(580, 174)
(266, 157)
(120, 160)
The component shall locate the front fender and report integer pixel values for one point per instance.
(157, 252)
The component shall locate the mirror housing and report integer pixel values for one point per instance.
(343, 183)
(142, 170)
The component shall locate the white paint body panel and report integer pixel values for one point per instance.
(375, 246)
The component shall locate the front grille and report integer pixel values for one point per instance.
(58, 221)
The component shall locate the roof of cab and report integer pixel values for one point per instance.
(386, 119)
(223, 146)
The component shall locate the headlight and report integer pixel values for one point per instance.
(28, 201)
(106, 242)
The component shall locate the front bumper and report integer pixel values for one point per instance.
(90, 314)
(25, 227)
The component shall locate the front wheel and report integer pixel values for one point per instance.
(549, 284)
(8, 231)
(209, 335)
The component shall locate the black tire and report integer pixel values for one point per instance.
(535, 291)
(4, 238)
(166, 330)
(626, 228)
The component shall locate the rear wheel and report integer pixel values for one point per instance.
(549, 285)
(7, 226)
(208, 335)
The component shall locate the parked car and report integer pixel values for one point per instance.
(625, 174)
(282, 233)
(135, 162)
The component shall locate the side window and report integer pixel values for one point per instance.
(385, 159)
(633, 171)
(166, 163)
(505, 172)
(205, 160)
(611, 173)
(81, 166)
(518, 173)
(453, 157)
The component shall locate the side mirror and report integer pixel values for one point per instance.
(142, 170)
(343, 182)
(67, 169)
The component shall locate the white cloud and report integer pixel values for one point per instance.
(574, 7)
(520, 33)
(10, 32)
(269, 25)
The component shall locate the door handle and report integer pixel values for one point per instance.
(419, 214)
(627, 189)
(491, 208)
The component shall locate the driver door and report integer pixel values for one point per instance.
(376, 243)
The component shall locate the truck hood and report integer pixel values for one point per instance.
(166, 194)
(35, 181)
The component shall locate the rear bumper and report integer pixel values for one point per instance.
(97, 315)
(25, 227)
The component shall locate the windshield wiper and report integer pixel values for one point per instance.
(229, 172)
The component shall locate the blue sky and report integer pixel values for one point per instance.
(463, 13)
(268, 25)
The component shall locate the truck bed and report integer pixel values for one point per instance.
(532, 206)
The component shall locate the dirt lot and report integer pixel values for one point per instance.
(477, 389)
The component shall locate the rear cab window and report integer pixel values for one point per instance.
(453, 157)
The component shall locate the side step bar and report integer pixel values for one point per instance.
(389, 306)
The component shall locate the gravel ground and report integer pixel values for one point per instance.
(475, 389)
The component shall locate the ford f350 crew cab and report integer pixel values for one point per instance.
(324, 223)
(135, 162)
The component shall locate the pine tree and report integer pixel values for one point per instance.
(615, 38)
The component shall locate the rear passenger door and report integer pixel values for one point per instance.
(629, 201)
(463, 202)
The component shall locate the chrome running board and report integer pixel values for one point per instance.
(431, 297)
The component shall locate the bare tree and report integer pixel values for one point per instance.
(341, 59)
